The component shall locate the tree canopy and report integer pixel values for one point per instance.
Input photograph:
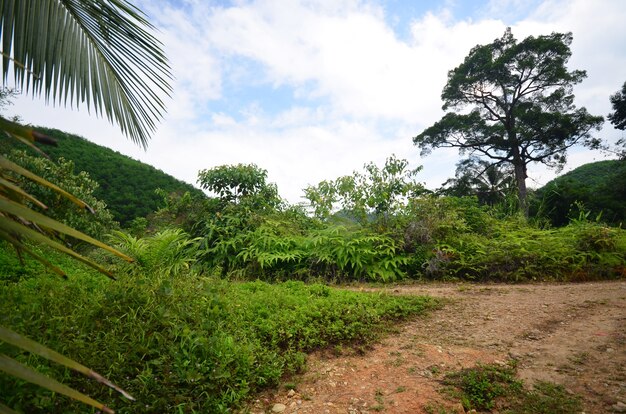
(521, 106)
(241, 183)
(377, 191)
(618, 116)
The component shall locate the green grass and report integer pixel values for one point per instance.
(494, 387)
(184, 343)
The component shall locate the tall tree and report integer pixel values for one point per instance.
(521, 106)
(618, 118)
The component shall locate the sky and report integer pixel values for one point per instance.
(314, 89)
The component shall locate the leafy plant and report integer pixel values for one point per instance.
(98, 51)
(494, 387)
(166, 253)
(80, 185)
(377, 193)
(193, 343)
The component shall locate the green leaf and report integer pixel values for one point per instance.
(11, 166)
(26, 213)
(33, 347)
(11, 226)
(15, 369)
(99, 53)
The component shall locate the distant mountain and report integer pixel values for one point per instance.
(127, 186)
(600, 186)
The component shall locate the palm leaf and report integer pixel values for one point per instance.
(11, 207)
(17, 370)
(11, 166)
(98, 52)
(33, 347)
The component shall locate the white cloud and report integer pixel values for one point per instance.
(358, 90)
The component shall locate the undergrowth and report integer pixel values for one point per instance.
(516, 252)
(494, 388)
(182, 343)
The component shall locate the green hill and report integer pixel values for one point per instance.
(599, 186)
(127, 186)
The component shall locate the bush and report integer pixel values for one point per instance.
(518, 252)
(182, 344)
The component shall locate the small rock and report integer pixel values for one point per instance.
(279, 408)
(619, 407)
(291, 393)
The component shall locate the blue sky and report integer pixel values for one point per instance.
(313, 89)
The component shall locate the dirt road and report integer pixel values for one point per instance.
(569, 334)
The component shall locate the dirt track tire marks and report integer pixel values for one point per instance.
(570, 334)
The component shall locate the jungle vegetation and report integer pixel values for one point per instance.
(217, 298)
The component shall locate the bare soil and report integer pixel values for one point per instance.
(569, 334)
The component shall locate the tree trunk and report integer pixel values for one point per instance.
(520, 179)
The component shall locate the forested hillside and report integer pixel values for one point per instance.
(598, 187)
(127, 186)
(213, 303)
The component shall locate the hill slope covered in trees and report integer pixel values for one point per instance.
(599, 186)
(127, 186)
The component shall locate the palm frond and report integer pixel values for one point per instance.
(99, 53)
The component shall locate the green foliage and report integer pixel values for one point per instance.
(189, 344)
(482, 385)
(547, 398)
(618, 103)
(381, 192)
(184, 210)
(520, 101)
(515, 251)
(127, 186)
(166, 253)
(494, 387)
(287, 245)
(60, 208)
(600, 187)
(490, 183)
(241, 184)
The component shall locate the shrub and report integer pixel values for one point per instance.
(180, 343)
(518, 252)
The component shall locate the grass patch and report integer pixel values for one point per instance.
(184, 343)
(494, 387)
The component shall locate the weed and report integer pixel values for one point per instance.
(547, 398)
(434, 369)
(378, 396)
(480, 386)
(487, 387)
(580, 358)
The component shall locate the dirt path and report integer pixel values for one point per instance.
(570, 334)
